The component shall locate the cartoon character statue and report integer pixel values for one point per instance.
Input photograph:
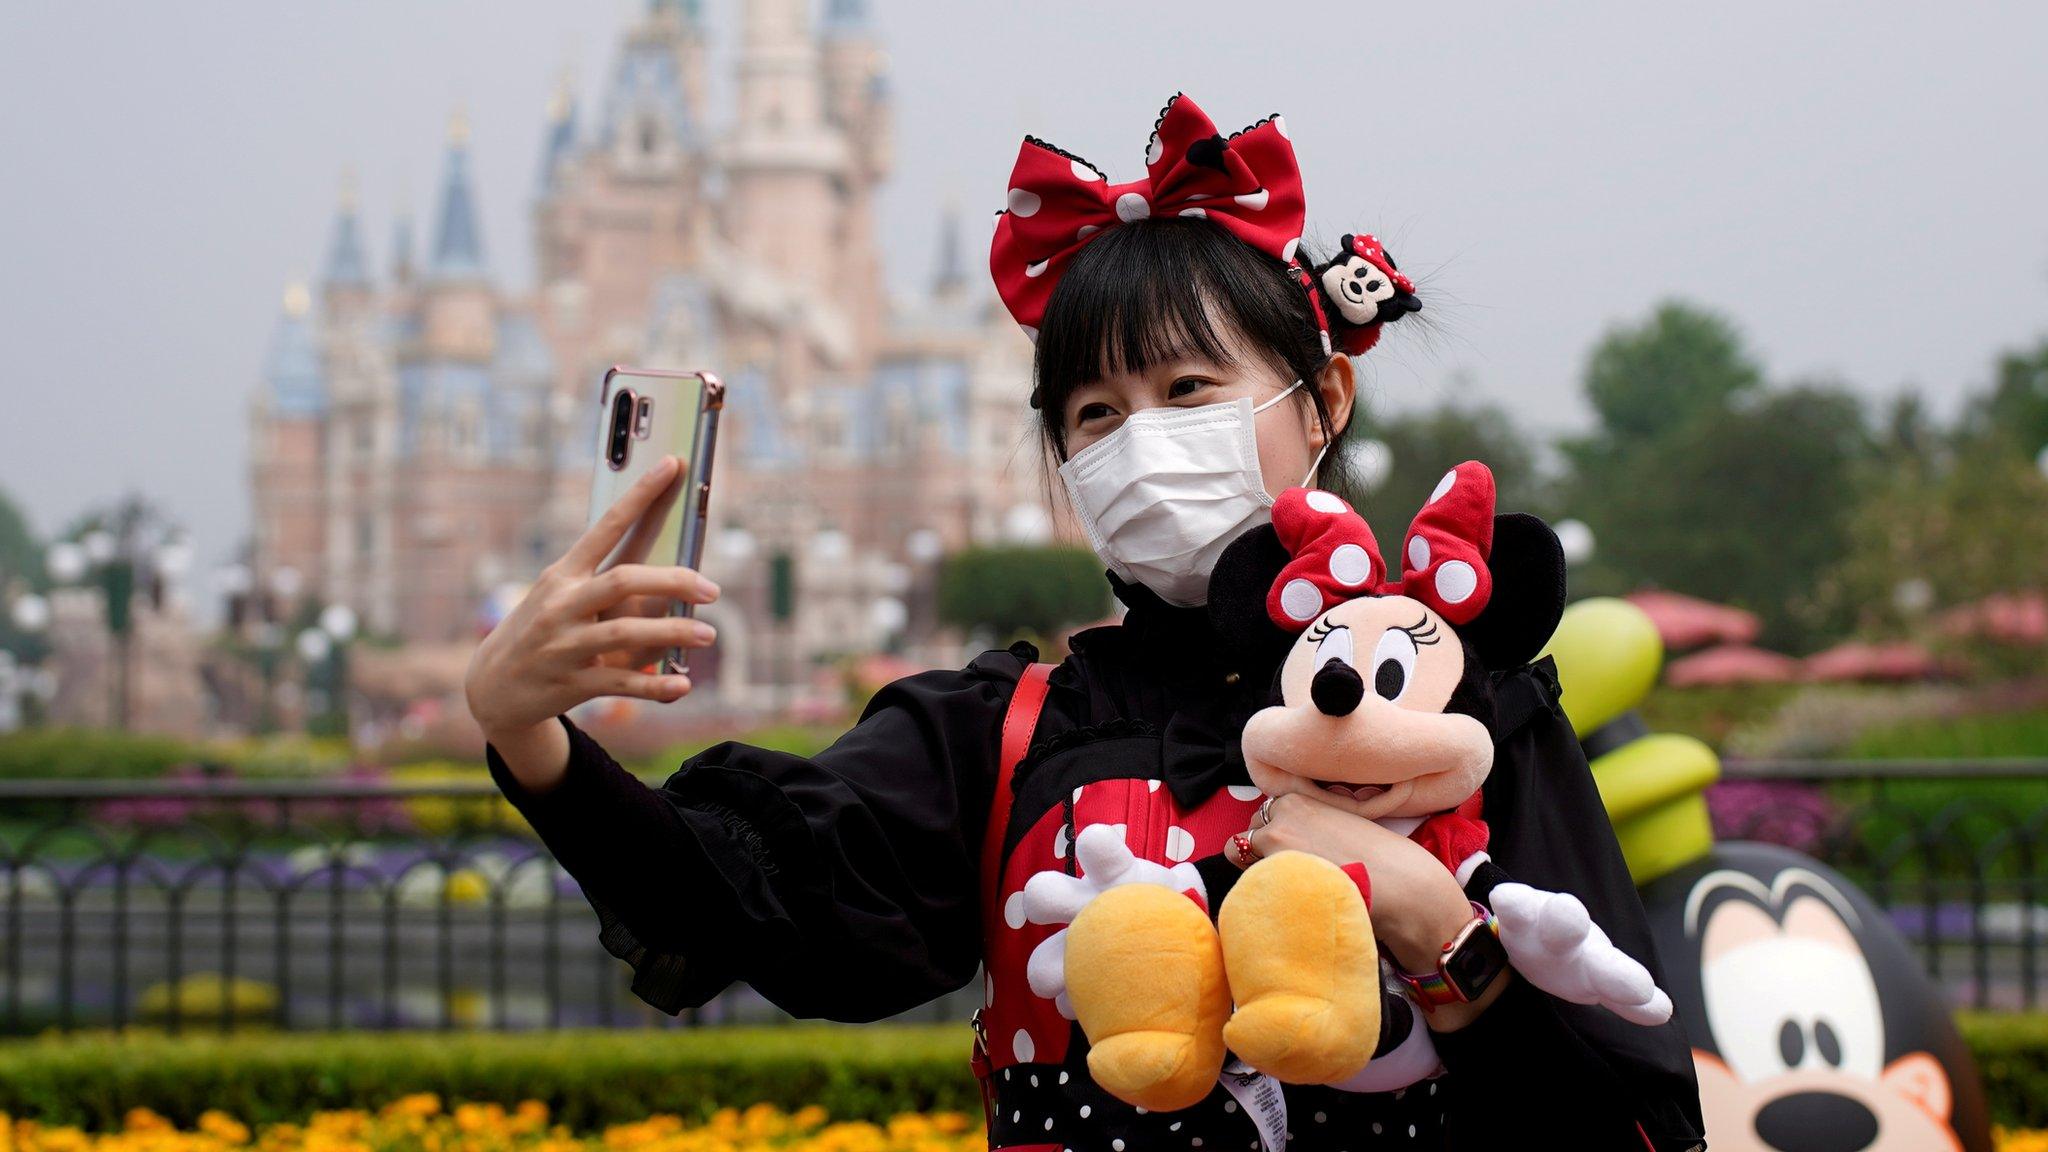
(1813, 1029)
(1384, 704)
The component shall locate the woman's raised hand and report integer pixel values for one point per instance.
(587, 628)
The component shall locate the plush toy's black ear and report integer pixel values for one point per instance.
(1527, 564)
(1237, 594)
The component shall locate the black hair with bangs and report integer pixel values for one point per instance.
(1155, 289)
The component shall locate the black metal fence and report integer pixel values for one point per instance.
(1953, 850)
(325, 904)
(301, 904)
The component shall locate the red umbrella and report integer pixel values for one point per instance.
(2008, 618)
(1687, 622)
(1731, 664)
(1856, 661)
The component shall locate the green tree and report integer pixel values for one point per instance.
(1029, 590)
(1927, 539)
(21, 557)
(2014, 413)
(21, 573)
(1700, 480)
(1647, 379)
(1948, 517)
(1422, 446)
(1749, 507)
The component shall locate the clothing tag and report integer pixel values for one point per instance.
(1259, 1095)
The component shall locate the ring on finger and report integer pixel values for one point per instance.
(1247, 853)
(1264, 815)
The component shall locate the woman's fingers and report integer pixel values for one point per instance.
(638, 606)
(614, 585)
(638, 634)
(648, 526)
(655, 686)
(600, 538)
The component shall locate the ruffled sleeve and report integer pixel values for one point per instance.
(1620, 1085)
(840, 886)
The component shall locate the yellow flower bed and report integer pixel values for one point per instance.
(419, 1123)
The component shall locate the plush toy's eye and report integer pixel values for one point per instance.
(1336, 645)
(1393, 664)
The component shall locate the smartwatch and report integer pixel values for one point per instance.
(1468, 965)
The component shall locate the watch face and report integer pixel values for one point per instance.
(1477, 961)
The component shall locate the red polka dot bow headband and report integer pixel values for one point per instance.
(1444, 560)
(1249, 184)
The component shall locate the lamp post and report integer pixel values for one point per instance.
(255, 611)
(1371, 462)
(324, 650)
(925, 548)
(23, 693)
(130, 550)
(1576, 540)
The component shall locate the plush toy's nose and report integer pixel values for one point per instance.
(1337, 688)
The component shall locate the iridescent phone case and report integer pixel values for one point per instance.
(643, 415)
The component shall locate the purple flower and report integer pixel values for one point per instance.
(1793, 814)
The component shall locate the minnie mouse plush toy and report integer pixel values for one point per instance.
(1384, 708)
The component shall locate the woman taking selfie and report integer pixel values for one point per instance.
(1192, 363)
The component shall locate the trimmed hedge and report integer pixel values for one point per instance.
(1985, 734)
(2012, 1057)
(95, 754)
(586, 1078)
(593, 1078)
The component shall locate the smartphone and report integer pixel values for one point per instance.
(643, 415)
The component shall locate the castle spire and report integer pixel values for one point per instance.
(458, 245)
(846, 17)
(401, 248)
(780, 92)
(951, 278)
(346, 267)
(653, 109)
(560, 142)
(291, 369)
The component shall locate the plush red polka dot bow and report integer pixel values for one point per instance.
(1336, 558)
(1248, 183)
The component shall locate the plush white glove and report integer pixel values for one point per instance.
(1556, 946)
(1053, 897)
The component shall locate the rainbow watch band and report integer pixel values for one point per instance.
(1434, 989)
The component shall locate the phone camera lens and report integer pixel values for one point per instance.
(618, 445)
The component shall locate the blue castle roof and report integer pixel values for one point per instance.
(347, 267)
(291, 369)
(458, 249)
(648, 81)
(846, 18)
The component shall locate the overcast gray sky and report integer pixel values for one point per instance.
(1864, 187)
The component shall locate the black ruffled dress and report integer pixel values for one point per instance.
(845, 887)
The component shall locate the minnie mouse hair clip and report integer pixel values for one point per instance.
(1361, 291)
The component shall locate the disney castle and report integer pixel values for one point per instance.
(424, 435)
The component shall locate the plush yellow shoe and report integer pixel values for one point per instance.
(1145, 976)
(1304, 970)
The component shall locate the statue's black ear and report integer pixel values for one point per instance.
(1237, 594)
(1527, 564)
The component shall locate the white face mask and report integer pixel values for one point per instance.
(1163, 495)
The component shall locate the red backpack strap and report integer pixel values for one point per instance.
(1018, 724)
